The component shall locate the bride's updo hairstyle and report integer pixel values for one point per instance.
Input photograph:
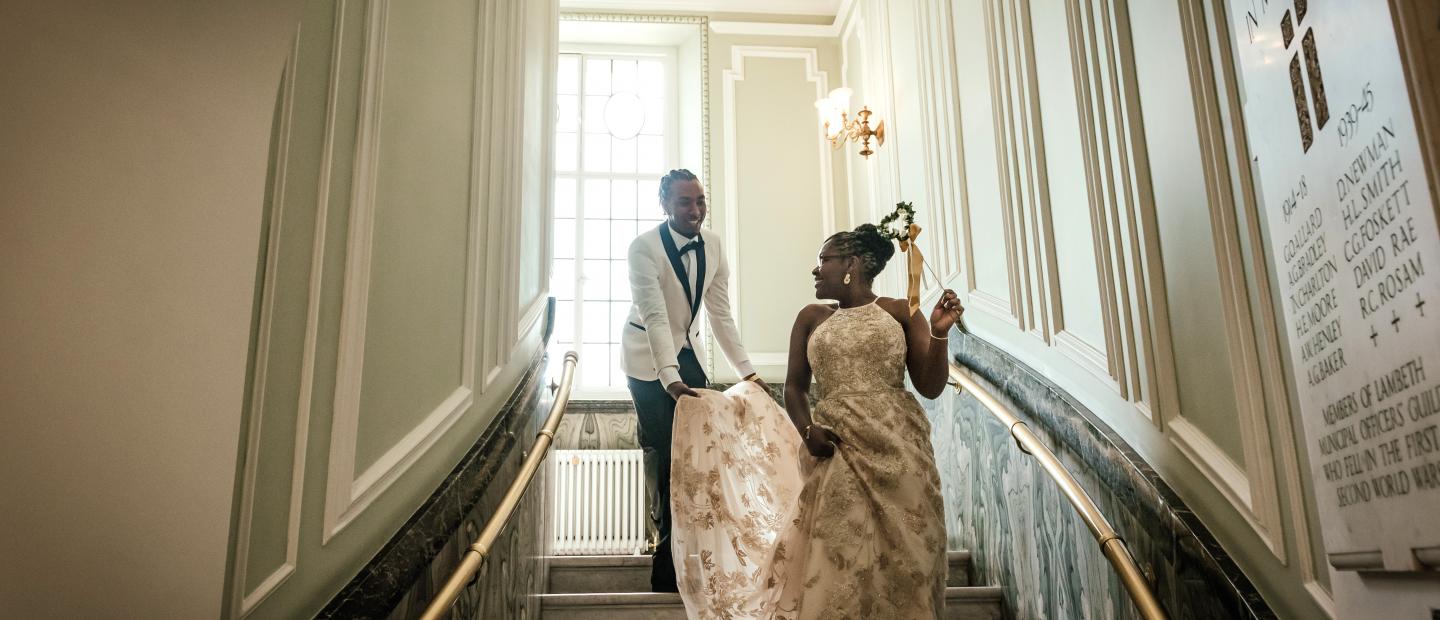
(865, 243)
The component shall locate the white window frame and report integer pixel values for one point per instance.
(671, 133)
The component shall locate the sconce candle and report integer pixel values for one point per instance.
(839, 127)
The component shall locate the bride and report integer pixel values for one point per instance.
(835, 512)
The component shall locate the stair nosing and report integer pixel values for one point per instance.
(597, 561)
(630, 599)
(974, 593)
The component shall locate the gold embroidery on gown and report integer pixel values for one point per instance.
(865, 538)
(734, 481)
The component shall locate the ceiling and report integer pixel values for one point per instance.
(777, 7)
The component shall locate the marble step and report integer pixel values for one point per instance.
(586, 574)
(967, 603)
(959, 569)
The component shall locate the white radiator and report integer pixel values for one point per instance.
(599, 502)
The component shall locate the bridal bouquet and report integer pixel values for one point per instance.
(900, 226)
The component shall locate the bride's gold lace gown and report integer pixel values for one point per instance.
(764, 530)
(872, 516)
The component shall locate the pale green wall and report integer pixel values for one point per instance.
(131, 191)
(781, 211)
(446, 208)
(417, 279)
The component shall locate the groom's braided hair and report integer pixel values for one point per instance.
(670, 179)
(867, 244)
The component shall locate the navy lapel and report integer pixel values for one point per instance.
(679, 267)
(699, 277)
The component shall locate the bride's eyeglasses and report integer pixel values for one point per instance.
(820, 260)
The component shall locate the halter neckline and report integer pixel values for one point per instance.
(838, 308)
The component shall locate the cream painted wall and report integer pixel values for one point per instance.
(785, 193)
(402, 277)
(131, 188)
(1076, 172)
(148, 248)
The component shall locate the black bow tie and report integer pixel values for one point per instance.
(693, 246)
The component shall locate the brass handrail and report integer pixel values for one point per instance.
(480, 549)
(1110, 543)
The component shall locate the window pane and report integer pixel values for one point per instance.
(564, 244)
(654, 117)
(652, 154)
(622, 232)
(619, 312)
(617, 378)
(597, 76)
(562, 279)
(567, 79)
(595, 324)
(564, 322)
(596, 283)
(647, 198)
(611, 120)
(624, 115)
(620, 280)
(651, 78)
(595, 365)
(624, 160)
(623, 76)
(622, 199)
(597, 198)
(597, 238)
(595, 114)
(566, 148)
(597, 152)
(567, 113)
(564, 197)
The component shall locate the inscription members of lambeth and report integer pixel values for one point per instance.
(1383, 440)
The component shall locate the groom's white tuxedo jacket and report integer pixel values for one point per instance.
(670, 286)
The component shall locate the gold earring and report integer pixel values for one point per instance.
(847, 278)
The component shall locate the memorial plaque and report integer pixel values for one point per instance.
(1354, 242)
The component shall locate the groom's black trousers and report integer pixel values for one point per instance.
(656, 410)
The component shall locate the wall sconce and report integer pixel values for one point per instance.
(839, 127)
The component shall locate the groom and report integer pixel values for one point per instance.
(673, 269)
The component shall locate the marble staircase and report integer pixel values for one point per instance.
(617, 587)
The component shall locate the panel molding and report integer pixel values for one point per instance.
(1227, 477)
(515, 128)
(347, 494)
(1011, 308)
(809, 56)
(488, 187)
(1094, 138)
(941, 139)
(855, 26)
(953, 134)
(534, 309)
(1132, 281)
(243, 601)
(1086, 355)
(1021, 156)
(1254, 348)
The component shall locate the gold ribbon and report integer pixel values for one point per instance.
(916, 263)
